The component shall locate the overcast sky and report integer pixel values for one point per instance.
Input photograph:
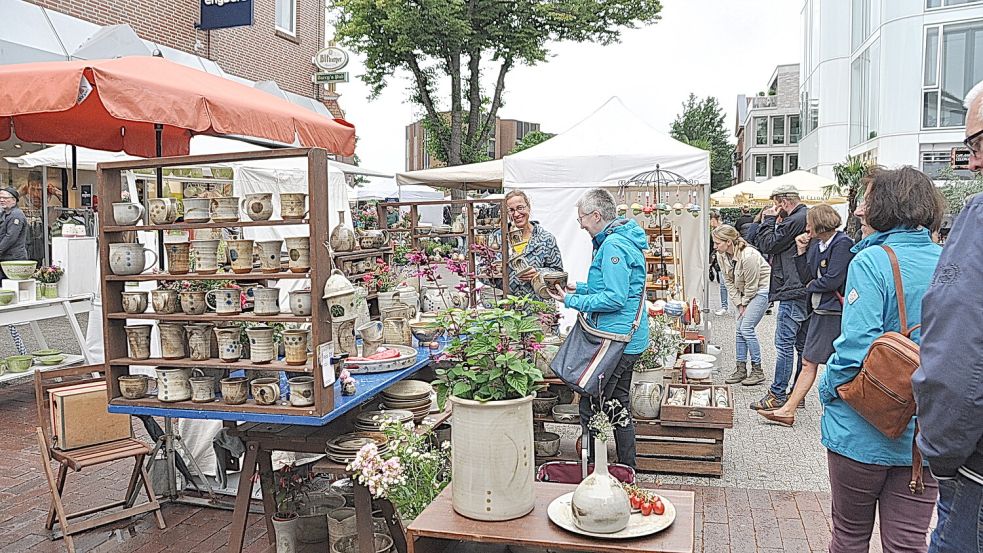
(710, 47)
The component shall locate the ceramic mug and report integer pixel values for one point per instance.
(178, 257)
(229, 344)
(235, 390)
(165, 301)
(173, 385)
(241, 254)
(224, 209)
(269, 255)
(261, 347)
(129, 258)
(199, 337)
(202, 389)
(266, 391)
(138, 338)
(163, 211)
(300, 303)
(266, 301)
(259, 206)
(196, 210)
(298, 254)
(135, 302)
(224, 301)
(301, 391)
(193, 302)
(295, 346)
(206, 256)
(134, 386)
(127, 213)
(172, 340)
(293, 205)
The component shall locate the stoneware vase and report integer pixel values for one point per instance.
(493, 464)
(269, 255)
(343, 336)
(229, 344)
(295, 346)
(286, 533)
(173, 385)
(178, 257)
(300, 303)
(165, 301)
(600, 504)
(127, 213)
(199, 341)
(129, 258)
(138, 339)
(298, 253)
(163, 211)
(396, 330)
(259, 206)
(193, 303)
(172, 340)
(342, 238)
(235, 390)
(196, 210)
(224, 301)
(265, 390)
(206, 256)
(135, 302)
(301, 391)
(261, 346)
(646, 398)
(293, 205)
(266, 301)
(224, 209)
(241, 255)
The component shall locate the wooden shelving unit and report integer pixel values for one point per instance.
(118, 362)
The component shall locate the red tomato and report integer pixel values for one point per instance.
(658, 507)
(636, 502)
(646, 508)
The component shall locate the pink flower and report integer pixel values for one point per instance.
(535, 346)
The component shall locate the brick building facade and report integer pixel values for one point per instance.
(508, 132)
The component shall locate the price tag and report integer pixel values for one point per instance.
(325, 353)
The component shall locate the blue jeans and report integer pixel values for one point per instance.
(960, 527)
(723, 293)
(747, 337)
(788, 341)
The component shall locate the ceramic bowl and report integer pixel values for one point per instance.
(19, 363)
(546, 444)
(566, 413)
(45, 352)
(425, 332)
(7, 296)
(424, 228)
(699, 357)
(19, 270)
(49, 360)
(544, 403)
(555, 279)
(698, 370)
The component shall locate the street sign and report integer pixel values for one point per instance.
(330, 59)
(328, 78)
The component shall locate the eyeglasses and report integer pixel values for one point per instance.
(518, 209)
(580, 218)
(972, 142)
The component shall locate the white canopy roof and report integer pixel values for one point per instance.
(811, 187)
(485, 175)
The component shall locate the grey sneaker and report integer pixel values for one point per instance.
(756, 377)
(739, 374)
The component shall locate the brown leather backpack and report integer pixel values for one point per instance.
(881, 392)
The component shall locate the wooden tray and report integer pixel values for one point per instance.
(687, 415)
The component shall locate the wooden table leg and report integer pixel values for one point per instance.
(395, 527)
(363, 518)
(237, 534)
(268, 491)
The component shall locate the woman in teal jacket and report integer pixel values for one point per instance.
(610, 300)
(867, 470)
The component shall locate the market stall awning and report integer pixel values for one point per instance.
(114, 104)
(483, 175)
(811, 187)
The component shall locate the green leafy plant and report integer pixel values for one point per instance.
(956, 191)
(664, 342)
(292, 485)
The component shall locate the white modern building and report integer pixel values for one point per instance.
(885, 79)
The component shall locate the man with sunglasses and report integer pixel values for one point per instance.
(949, 384)
(13, 228)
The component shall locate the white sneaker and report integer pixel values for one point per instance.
(720, 312)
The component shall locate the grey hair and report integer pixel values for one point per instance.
(601, 201)
(972, 96)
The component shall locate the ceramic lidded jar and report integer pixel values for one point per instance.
(339, 294)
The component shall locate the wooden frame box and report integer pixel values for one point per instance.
(706, 417)
(79, 417)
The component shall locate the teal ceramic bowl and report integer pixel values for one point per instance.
(6, 296)
(19, 270)
(19, 363)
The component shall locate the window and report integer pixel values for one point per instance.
(953, 64)
(491, 148)
(860, 20)
(864, 85)
(940, 3)
(778, 130)
(934, 163)
(761, 131)
(793, 162)
(793, 129)
(761, 166)
(286, 16)
(809, 110)
(777, 165)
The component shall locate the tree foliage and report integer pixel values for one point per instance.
(531, 139)
(957, 191)
(458, 42)
(850, 182)
(701, 124)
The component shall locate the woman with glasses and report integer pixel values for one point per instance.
(13, 228)
(536, 245)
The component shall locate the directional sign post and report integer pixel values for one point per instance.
(323, 77)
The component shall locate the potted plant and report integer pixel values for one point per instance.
(291, 487)
(48, 276)
(664, 343)
(491, 380)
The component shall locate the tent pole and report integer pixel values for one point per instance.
(159, 132)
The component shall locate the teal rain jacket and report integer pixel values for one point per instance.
(870, 309)
(615, 283)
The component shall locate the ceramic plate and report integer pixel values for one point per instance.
(700, 357)
(408, 389)
(561, 514)
(407, 356)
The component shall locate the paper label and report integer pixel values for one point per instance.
(325, 353)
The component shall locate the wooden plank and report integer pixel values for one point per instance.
(215, 406)
(217, 363)
(644, 429)
(680, 449)
(679, 466)
(361, 254)
(108, 276)
(196, 226)
(212, 317)
(321, 265)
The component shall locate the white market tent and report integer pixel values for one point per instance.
(483, 175)
(609, 146)
(811, 188)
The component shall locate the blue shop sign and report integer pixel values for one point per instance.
(221, 14)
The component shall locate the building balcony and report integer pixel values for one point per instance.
(759, 102)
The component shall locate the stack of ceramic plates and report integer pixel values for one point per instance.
(410, 395)
(342, 449)
(370, 421)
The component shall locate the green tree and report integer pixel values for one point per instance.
(531, 139)
(957, 191)
(850, 182)
(701, 124)
(455, 43)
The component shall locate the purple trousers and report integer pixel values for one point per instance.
(859, 489)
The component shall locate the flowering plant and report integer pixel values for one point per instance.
(49, 274)
(292, 485)
(385, 277)
(367, 217)
(664, 343)
(607, 416)
(411, 474)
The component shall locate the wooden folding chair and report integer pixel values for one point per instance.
(88, 456)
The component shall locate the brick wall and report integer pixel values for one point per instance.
(257, 53)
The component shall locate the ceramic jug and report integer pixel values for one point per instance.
(129, 258)
(265, 390)
(224, 301)
(298, 254)
(165, 301)
(396, 330)
(372, 336)
(241, 254)
(301, 391)
(295, 346)
(206, 256)
(343, 336)
(300, 303)
(173, 385)
(646, 399)
(293, 205)
(266, 301)
(127, 213)
(261, 346)
(134, 302)
(229, 344)
(600, 504)
(398, 310)
(224, 209)
(235, 390)
(269, 255)
(138, 338)
(199, 341)
(196, 210)
(163, 211)
(178, 257)
(193, 303)
(259, 206)
(342, 237)
(172, 340)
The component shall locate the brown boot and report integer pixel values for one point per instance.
(739, 374)
(756, 377)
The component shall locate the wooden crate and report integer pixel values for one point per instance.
(679, 449)
(703, 417)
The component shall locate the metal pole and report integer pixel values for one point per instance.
(159, 131)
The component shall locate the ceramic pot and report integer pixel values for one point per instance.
(493, 464)
(259, 206)
(554, 279)
(269, 255)
(138, 338)
(371, 334)
(341, 522)
(295, 346)
(266, 301)
(265, 390)
(293, 205)
(600, 504)
(224, 301)
(129, 258)
(229, 344)
(301, 390)
(235, 390)
(199, 341)
(441, 298)
(313, 511)
(133, 386)
(261, 347)
(361, 306)
(241, 255)
(196, 210)
(342, 237)
(49, 290)
(178, 257)
(646, 399)
(163, 211)
(404, 294)
(165, 301)
(398, 310)
(286, 533)
(202, 389)
(298, 253)
(172, 340)
(381, 543)
(134, 302)
(225, 209)
(396, 330)
(193, 303)
(343, 336)
(300, 303)
(206, 256)
(173, 385)
(127, 213)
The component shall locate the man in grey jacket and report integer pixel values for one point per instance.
(949, 384)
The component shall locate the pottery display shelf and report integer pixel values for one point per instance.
(196, 226)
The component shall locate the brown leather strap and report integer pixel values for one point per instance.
(917, 484)
(899, 288)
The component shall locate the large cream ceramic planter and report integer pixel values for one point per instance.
(493, 458)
